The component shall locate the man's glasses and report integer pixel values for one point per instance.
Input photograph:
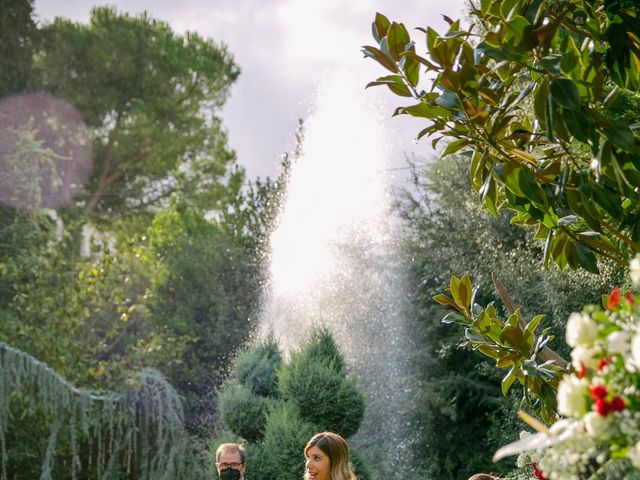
(225, 465)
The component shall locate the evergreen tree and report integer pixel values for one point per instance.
(277, 406)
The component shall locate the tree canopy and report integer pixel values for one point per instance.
(150, 98)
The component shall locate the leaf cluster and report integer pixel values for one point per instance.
(512, 343)
(527, 99)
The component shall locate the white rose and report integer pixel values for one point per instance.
(635, 349)
(634, 455)
(595, 424)
(618, 342)
(581, 330)
(634, 271)
(572, 396)
(583, 357)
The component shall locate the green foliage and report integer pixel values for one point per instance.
(313, 394)
(16, 49)
(566, 165)
(256, 368)
(512, 343)
(314, 380)
(179, 294)
(149, 97)
(82, 315)
(203, 287)
(244, 412)
(458, 399)
(286, 434)
(138, 431)
(321, 348)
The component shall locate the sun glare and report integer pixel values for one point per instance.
(336, 188)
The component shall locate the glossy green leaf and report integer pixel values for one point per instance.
(578, 124)
(442, 299)
(586, 258)
(454, 146)
(397, 39)
(571, 64)
(449, 100)
(508, 380)
(381, 58)
(411, 69)
(380, 26)
(565, 93)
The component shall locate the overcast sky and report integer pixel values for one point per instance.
(284, 48)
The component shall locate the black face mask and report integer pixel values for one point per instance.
(230, 474)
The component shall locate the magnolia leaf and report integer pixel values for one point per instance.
(534, 422)
(586, 258)
(508, 379)
(397, 39)
(380, 57)
(565, 93)
(380, 26)
(444, 300)
(454, 146)
(533, 324)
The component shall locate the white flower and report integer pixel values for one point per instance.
(634, 271)
(583, 357)
(634, 455)
(635, 349)
(581, 330)
(618, 342)
(596, 424)
(572, 396)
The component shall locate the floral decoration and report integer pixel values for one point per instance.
(597, 434)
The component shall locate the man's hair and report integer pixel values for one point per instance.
(232, 448)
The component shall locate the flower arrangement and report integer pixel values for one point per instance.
(598, 435)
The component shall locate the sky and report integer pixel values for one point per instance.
(284, 49)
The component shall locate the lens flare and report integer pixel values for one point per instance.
(45, 152)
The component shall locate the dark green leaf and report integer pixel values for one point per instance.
(397, 39)
(449, 100)
(565, 93)
(586, 258)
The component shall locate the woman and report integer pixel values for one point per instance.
(327, 458)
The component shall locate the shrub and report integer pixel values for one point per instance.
(243, 412)
(256, 368)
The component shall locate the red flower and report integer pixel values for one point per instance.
(598, 392)
(603, 407)
(582, 372)
(603, 362)
(537, 472)
(617, 404)
(631, 299)
(614, 298)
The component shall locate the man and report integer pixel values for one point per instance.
(231, 461)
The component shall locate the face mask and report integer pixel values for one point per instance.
(230, 474)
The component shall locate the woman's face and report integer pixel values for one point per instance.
(317, 464)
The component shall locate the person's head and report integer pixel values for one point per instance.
(231, 461)
(327, 458)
